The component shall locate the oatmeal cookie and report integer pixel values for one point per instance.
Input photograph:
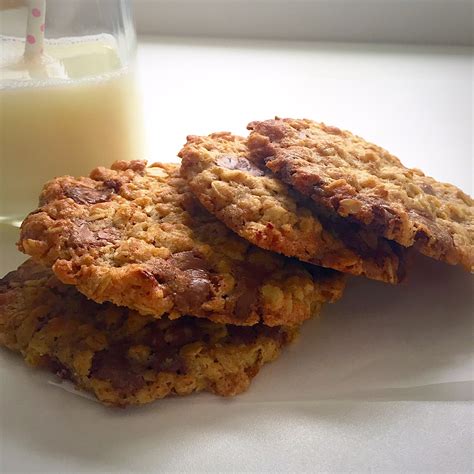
(136, 236)
(364, 183)
(266, 212)
(122, 357)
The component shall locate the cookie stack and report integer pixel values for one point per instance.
(134, 291)
(146, 281)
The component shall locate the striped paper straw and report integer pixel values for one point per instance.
(35, 29)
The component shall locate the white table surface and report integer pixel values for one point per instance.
(384, 382)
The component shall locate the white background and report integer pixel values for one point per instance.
(380, 21)
(416, 101)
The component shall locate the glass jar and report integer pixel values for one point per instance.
(68, 97)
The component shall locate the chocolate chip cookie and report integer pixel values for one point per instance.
(122, 357)
(135, 236)
(364, 183)
(268, 213)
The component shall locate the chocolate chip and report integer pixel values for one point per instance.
(190, 261)
(194, 292)
(428, 189)
(275, 130)
(383, 218)
(113, 365)
(247, 298)
(114, 184)
(109, 234)
(190, 286)
(83, 195)
(82, 236)
(241, 163)
(249, 280)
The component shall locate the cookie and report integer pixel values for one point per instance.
(268, 213)
(365, 184)
(135, 236)
(124, 358)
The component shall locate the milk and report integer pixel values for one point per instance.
(75, 110)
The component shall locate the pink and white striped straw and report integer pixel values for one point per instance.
(35, 29)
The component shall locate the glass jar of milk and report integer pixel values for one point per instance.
(68, 99)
